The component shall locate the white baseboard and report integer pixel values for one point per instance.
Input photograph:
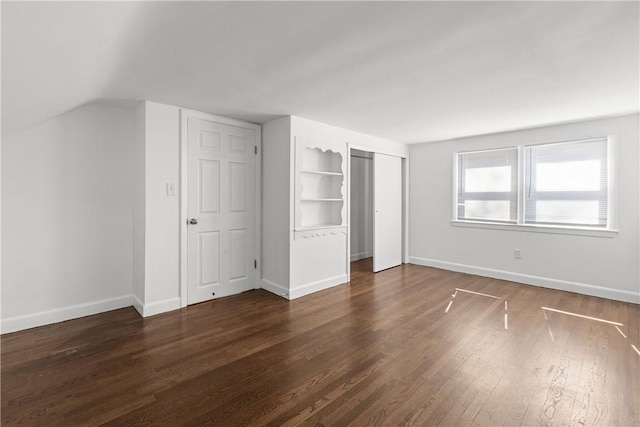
(138, 305)
(274, 288)
(545, 282)
(361, 255)
(157, 307)
(320, 285)
(19, 323)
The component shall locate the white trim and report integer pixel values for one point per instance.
(274, 288)
(47, 317)
(454, 187)
(361, 255)
(320, 285)
(347, 184)
(612, 181)
(158, 307)
(520, 199)
(487, 150)
(545, 282)
(576, 231)
(371, 149)
(405, 210)
(258, 210)
(185, 114)
(183, 274)
(138, 305)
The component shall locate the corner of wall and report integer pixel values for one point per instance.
(139, 206)
(275, 288)
(157, 307)
(320, 285)
(276, 147)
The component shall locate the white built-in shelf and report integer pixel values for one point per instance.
(319, 186)
(326, 231)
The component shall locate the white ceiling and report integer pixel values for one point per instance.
(406, 71)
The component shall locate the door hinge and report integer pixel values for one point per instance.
(255, 263)
(255, 149)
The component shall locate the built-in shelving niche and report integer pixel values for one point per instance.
(320, 192)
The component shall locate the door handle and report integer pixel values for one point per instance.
(193, 221)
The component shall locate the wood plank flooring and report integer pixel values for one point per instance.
(400, 347)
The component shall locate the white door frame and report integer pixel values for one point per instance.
(185, 114)
(405, 199)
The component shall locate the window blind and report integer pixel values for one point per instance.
(488, 185)
(567, 183)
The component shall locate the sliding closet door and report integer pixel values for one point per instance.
(387, 219)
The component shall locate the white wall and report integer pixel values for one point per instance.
(600, 266)
(162, 212)
(361, 215)
(67, 217)
(158, 244)
(276, 205)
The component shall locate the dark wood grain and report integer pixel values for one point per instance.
(379, 351)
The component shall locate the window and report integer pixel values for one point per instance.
(559, 185)
(567, 183)
(487, 185)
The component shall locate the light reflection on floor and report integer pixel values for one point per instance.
(506, 317)
(544, 314)
(582, 316)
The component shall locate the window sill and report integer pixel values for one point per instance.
(575, 231)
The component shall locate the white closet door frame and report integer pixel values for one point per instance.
(405, 200)
(184, 116)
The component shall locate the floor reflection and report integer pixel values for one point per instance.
(616, 325)
(453, 296)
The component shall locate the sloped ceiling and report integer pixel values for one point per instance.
(407, 71)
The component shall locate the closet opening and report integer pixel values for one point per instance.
(377, 211)
(361, 213)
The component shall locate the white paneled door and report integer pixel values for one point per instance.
(221, 211)
(387, 206)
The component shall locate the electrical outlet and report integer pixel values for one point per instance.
(517, 253)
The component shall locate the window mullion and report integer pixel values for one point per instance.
(521, 184)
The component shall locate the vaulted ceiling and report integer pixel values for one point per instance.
(407, 71)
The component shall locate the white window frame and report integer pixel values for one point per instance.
(488, 195)
(608, 231)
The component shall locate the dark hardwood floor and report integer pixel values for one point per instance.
(394, 348)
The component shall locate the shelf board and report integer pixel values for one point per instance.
(321, 200)
(322, 173)
(318, 227)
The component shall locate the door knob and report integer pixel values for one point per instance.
(193, 221)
